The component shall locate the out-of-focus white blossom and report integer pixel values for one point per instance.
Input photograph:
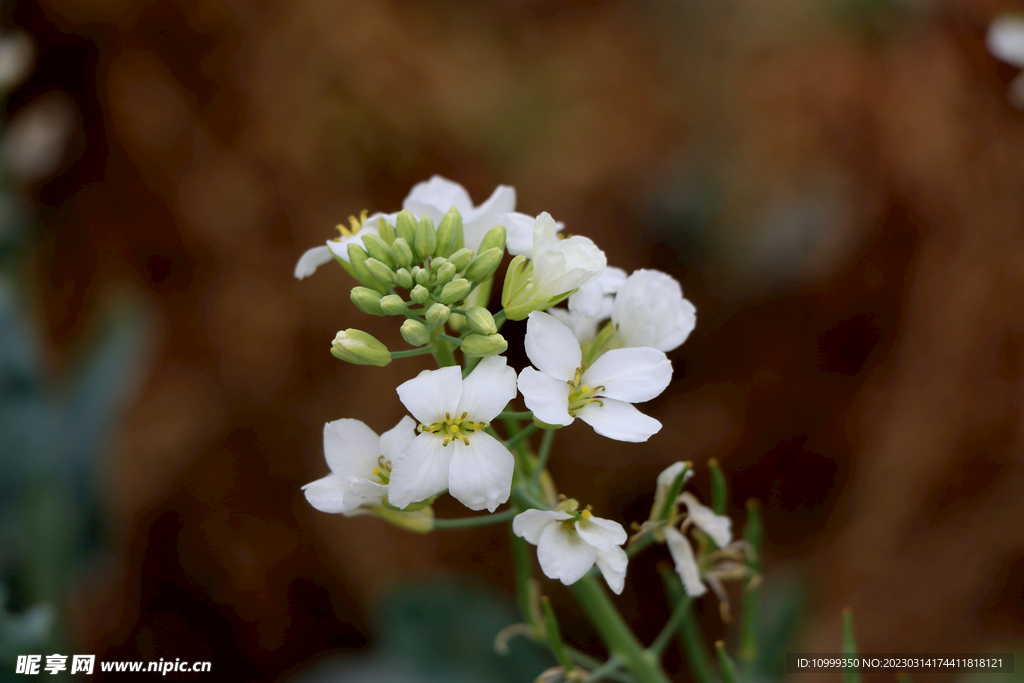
(650, 311)
(37, 138)
(436, 196)
(1005, 40)
(16, 54)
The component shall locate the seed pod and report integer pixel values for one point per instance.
(402, 252)
(426, 238)
(449, 234)
(445, 274)
(438, 314)
(380, 271)
(367, 300)
(495, 238)
(392, 304)
(419, 294)
(480, 320)
(483, 345)
(378, 249)
(456, 290)
(356, 346)
(462, 258)
(484, 265)
(415, 332)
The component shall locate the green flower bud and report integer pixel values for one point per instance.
(392, 304)
(357, 258)
(405, 226)
(402, 252)
(367, 300)
(426, 239)
(418, 521)
(456, 290)
(356, 346)
(483, 345)
(495, 238)
(415, 332)
(419, 294)
(436, 263)
(403, 278)
(461, 259)
(438, 314)
(421, 275)
(380, 271)
(386, 230)
(449, 234)
(445, 274)
(377, 249)
(484, 265)
(480, 320)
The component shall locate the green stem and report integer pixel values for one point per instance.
(442, 352)
(411, 352)
(479, 520)
(499, 318)
(690, 638)
(543, 454)
(606, 670)
(617, 635)
(679, 615)
(513, 415)
(450, 339)
(516, 439)
(526, 501)
(521, 557)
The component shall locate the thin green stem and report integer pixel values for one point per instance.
(525, 499)
(479, 520)
(442, 352)
(516, 439)
(499, 318)
(511, 414)
(521, 557)
(676, 620)
(450, 339)
(615, 632)
(690, 639)
(543, 453)
(606, 670)
(422, 351)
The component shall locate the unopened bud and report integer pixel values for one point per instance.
(357, 258)
(386, 230)
(438, 314)
(380, 271)
(462, 258)
(483, 345)
(449, 233)
(455, 291)
(403, 278)
(445, 274)
(495, 238)
(392, 304)
(367, 300)
(356, 346)
(426, 239)
(419, 294)
(480, 320)
(405, 226)
(484, 265)
(436, 263)
(421, 275)
(415, 332)
(402, 252)
(378, 249)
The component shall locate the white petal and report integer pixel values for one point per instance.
(480, 474)
(547, 397)
(551, 347)
(563, 555)
(435, 196)
(566, 265)
(584, 329)
(603, 534)
(432, 393)
(337, 494)
(488, 389)
(339, 247)
(631, 375)
(1005, 39)
(718, 527)
(612, 564)
(529, 524)
(588, 300)
(619, 420)
(478, 221)
(669, 474)
(686, 563)
(394, 441)
(311, 260)
(419, 471)
(650, 311)
(519, 233)
(351, 448)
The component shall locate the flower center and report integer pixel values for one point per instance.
(453, 428)
(572, 506)
(383, 470)
(581, 394)
(355, 225)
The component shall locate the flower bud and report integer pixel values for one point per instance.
(360, 348)
(419, 521)
(449, 234)
(392, 304)
(436, 263)
(405, 226)
(461, 259)
(403, 278)
(483, 345)
(445, 274)
(480, 320)
(380, 271)
(386, 230)
(421, 275)
(426, 239)
(357, 258)
(438, 314)
(456, 290)
(419, 294)
(415, 332)
(402, 252)
(484, 265)
(495, 238)
(378, 249)
(367, 300)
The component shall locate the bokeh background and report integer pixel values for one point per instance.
(838, 184)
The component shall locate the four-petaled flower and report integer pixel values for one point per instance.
(562, 389)
(357, 229)
(569, 543)
(436, 196)
(452, 450)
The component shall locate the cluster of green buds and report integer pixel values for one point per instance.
(437, 273)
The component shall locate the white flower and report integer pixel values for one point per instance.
(593, 300)
(650, 311)
(436, 196)
(568, 545)
(360, 462)
(686, 563)
(452, 451)
(519, 232)
(1005, 41)
(664, 487)
(601, 394)
(718, 527)
(358, 229)
(560, 266)
(583, 328)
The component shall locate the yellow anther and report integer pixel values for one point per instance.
(376, 470)
(586, 513)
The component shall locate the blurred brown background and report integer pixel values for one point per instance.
(837, 184)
